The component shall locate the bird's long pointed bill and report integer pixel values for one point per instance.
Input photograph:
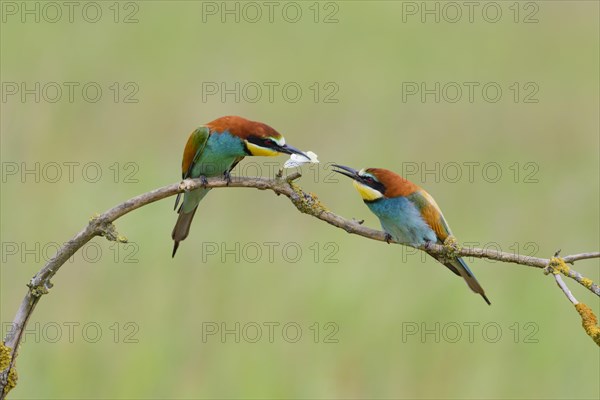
(287, 149)
(347, 171)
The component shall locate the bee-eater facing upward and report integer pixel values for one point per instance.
(214, 150)
(408, 214)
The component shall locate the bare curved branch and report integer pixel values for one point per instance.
(102, 225)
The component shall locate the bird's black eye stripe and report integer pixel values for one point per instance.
(264, 142)
(372, 182)
(369, 179)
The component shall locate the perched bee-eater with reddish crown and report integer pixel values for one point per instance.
(214, 150)
(408, 214)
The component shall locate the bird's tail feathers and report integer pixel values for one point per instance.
(182, 227)
(460, 267)
(186, 211)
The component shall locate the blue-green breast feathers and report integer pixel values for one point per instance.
(213, 153)
(402, 219)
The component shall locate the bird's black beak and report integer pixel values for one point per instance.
(287, 149)
(349, 172)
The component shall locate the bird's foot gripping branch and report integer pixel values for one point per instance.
(102, 225)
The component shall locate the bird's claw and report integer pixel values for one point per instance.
(388, 238)
(204, 181)
(227, 177)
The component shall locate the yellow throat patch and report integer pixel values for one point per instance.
(366, 192)
(260, 151)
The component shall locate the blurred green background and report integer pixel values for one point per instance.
(130, 322)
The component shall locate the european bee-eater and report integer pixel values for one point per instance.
(214, 150)
(408, 214)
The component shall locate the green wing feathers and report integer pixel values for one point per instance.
(431, 213)
(193, 149)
